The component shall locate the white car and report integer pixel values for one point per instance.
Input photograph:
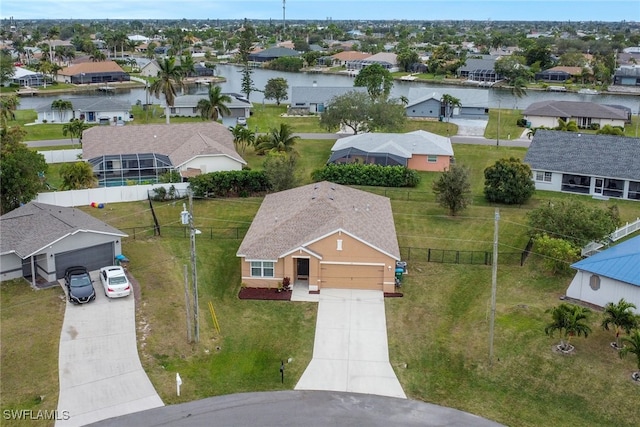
(115, 281)
(241, 121)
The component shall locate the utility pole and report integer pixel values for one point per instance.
(638, 120)
(494, 284)
(194, 271)
(186, 218)
(186, 300)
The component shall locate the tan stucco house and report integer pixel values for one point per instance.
(323, 234)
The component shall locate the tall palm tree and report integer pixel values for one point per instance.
(518, 87)
(8, 106)
(52, 33)
(74, 129)
(214, 106)
(632, 345)
(169, 77)
(281, 139)
(450, 102)
(568, 320)
(620, 317)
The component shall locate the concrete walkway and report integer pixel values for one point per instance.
(350, 351)
(100, 372)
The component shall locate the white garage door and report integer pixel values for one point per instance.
(352, 276)
(93, 257)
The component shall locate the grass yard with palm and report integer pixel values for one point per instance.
(437, 333)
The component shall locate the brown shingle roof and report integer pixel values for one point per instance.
(181, 142)
(91, 67)
(294, 218)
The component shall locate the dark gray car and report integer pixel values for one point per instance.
(79, 285)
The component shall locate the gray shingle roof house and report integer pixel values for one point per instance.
(322, 234)
(426, 103)
(273, 53)
(599, 165)
(419, 150)
(91, 109)
(314, 99)
(141, 153)
(547, 113)
(186, 105)
(479, 70)
(43, 240)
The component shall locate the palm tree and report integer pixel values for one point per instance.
(74, 129)
(564, 126)
(169, 77)
(632, 346)
(98, 56)
(621, 317)
(450, 102)
(242, 138)
(281, 140)
(214, 106)
(518, 87)
(8, 106)
(568, 320)
(187, 65)
(61, 105)
(52, 33)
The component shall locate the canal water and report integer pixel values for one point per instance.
(494, 98)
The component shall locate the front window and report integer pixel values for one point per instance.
(262, 268)
(594, 282)
(432, 159)
(543, 176)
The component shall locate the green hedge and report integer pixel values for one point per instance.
(242, 183)
(368, 174)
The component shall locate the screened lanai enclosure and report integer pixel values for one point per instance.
(124, 169)
(353, 155)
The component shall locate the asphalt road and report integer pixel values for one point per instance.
(456, 139)
(300, 408)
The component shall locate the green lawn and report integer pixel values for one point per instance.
(438, 333)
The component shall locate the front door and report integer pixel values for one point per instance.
(599, 186)
(302, 268)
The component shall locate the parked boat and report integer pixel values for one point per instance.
(588, 91)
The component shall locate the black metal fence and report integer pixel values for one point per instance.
(181, 231)
(449, 256)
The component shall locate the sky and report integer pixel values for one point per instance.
(428, 10)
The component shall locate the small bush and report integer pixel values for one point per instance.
(594, 126)
(367, 174)
(521, 122)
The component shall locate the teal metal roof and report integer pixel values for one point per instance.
(620, 262)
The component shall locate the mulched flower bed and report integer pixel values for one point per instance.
(264, 294)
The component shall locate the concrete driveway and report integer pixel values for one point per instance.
(469, 127)
(350, 351)
(99, 368)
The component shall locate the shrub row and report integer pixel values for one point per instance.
(361, 174)
(242, 183)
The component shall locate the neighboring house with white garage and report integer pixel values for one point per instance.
(41, 240)
(315, 99)
(601, 166)
(93, 110)
(609, 276)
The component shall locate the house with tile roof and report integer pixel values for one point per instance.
(42, 240)
(325, 235)
(388, 60)
(609, 276)
(314, 99)
(602, 166)
(91, 109)
(341, 58)
(140, 154)
(547, 113)
(418, 150)
(93, 72)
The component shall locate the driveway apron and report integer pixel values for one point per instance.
(350, 351)
(100, 372)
